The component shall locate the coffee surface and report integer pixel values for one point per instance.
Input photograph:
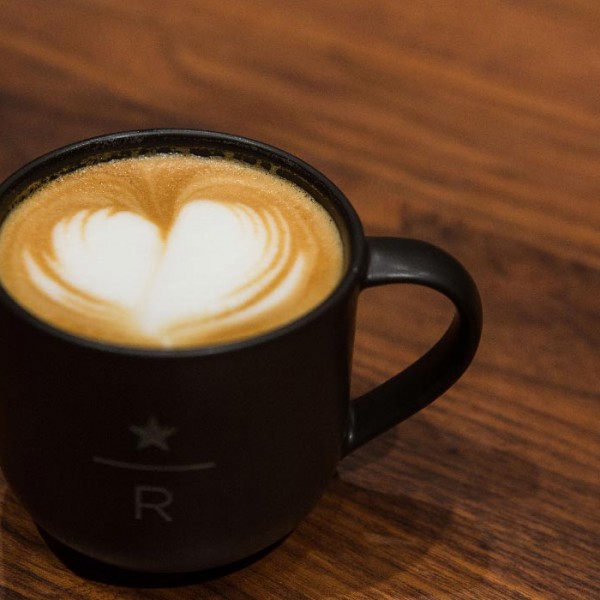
(169, 251)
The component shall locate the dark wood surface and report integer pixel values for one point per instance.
(473, 124)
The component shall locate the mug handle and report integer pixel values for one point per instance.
(399, 260)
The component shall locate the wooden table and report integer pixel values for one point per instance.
(473, 124)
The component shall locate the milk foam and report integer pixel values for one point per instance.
(215, 258)
(222, 265)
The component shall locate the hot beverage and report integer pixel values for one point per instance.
(169, 250)
(167, 449)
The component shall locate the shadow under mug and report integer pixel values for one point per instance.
(258, 425)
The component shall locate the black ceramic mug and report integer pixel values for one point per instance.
(254, 429)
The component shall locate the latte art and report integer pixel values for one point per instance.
(169, 251)
(217, 262)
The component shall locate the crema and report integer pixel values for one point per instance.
(169, 251)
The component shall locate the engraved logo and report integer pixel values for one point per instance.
(152, 499)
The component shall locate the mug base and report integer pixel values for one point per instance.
(94, 570)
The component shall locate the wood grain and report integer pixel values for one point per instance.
(473, 124)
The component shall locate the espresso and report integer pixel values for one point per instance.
(169, 251)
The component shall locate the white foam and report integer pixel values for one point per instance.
(110, 256)
(215, 259)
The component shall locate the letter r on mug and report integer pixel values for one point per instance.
(153, 499)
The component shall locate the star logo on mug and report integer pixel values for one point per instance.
(153, 434)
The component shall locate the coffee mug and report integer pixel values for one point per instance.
(185, 458)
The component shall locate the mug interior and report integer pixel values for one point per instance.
(197, 143)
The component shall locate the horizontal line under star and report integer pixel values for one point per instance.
(149, 467)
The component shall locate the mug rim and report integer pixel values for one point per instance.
(104, 143)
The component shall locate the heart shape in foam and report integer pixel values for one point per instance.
(218, 261)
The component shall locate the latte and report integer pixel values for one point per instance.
(169, 251)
